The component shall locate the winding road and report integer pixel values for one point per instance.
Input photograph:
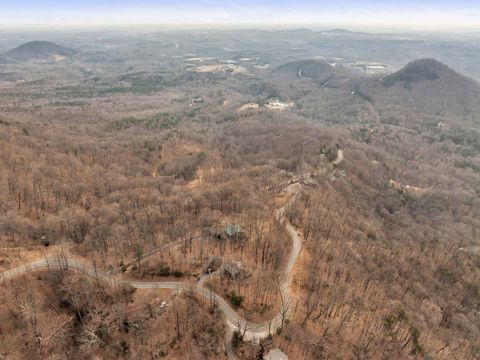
(234, 321)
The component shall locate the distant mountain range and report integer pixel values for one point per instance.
(38, 50)
(339, 32)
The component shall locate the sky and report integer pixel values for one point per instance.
(394, 14)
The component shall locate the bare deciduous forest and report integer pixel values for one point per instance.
(167, 159)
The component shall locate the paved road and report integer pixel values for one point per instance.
(233, 319)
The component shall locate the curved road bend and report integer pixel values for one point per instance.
(233, 319)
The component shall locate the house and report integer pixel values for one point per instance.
(406, 188)
(235, 270)
(235, 233)
(233, 230)
(230, 232)
(275, 354)
(249, 106)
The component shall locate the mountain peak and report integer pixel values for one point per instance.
(38, 50)
(338, 31)
(418, 71)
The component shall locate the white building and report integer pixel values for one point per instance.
(275, 354)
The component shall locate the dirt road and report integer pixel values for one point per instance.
(232, 318)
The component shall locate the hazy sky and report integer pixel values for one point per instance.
(428, 14)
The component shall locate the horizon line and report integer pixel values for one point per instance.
(252, 25)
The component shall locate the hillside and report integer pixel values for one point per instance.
(171, 213)
(4, 60)
(423, 89)
(39, 50)
(319, 71)
(424, 70)
(336, 89)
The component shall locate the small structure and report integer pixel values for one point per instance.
(249, 106)
(275, 354)
(338, 160)
(406, 188)
(45, 241)
(233, 230)
(275, 104)
(213, 265)
(235, 270)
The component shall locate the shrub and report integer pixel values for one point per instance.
(163, 270)
(178, 273)
(235, 299)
